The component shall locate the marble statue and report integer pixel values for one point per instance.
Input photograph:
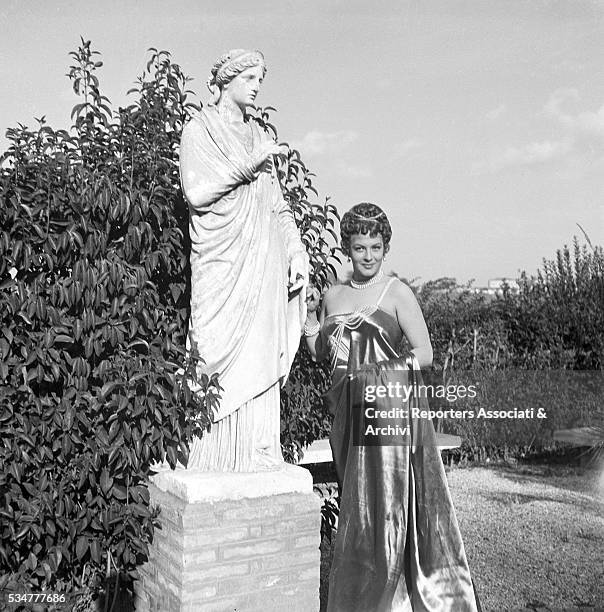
(249, 269)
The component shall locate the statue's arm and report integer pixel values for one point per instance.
(297, 258)
(205, 175)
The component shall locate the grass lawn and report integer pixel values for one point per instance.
(534, 536)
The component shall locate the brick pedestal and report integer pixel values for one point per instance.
(233, 542)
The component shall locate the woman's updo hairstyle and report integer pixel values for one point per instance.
(365, 218)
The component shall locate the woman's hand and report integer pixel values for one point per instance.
(312, 327)
(313, 296)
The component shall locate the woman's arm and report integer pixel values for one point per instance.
(413, 325)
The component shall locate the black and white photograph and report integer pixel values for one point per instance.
(302, 306)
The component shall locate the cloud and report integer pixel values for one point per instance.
(333, 148)
(316, 143)
(569, 65)
(528, 155)
(406, 147)
(580, 138)
(580, 124)
(495, 113)
(557, 99)
(349, 170)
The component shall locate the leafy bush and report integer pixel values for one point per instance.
(304, 414)
(466, 328)
(566, 399)
(540, 347)
(94, 308)
(558, 320)
(94, 313)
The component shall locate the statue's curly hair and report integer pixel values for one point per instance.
(230, 64)
(365, 218)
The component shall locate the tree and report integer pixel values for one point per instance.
(94, 375)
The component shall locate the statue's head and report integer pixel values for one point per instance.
(237, 65)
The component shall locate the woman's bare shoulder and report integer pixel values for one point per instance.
(401, 290)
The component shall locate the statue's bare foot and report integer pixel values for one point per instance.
(265, 461)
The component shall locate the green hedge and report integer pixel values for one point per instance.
(542, 346)
(94, 311)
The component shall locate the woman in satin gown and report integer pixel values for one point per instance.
(398, 545)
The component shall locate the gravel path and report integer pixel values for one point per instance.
(534, 536)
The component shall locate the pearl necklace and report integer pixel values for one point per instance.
(364, 284)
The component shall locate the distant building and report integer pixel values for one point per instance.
(495, 286)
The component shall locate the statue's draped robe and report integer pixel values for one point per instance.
(242, 237)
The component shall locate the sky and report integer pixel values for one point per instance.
(478, 126)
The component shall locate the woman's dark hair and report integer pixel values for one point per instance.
(365, 218)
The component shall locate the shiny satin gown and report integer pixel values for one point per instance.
(398, 545)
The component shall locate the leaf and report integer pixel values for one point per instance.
(137, 342)
(32, 561)
(119, 492)
(102, 436)
(107, 388)
(95, 551)
(81, 547)
(172, 457)
(105, 481)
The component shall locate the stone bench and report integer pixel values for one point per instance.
(320, 451)
(579, 436)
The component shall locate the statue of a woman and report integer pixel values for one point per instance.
(248, 269)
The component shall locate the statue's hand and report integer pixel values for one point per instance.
(263, 159)
(298, 271)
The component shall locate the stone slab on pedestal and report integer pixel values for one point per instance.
(233, 542)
